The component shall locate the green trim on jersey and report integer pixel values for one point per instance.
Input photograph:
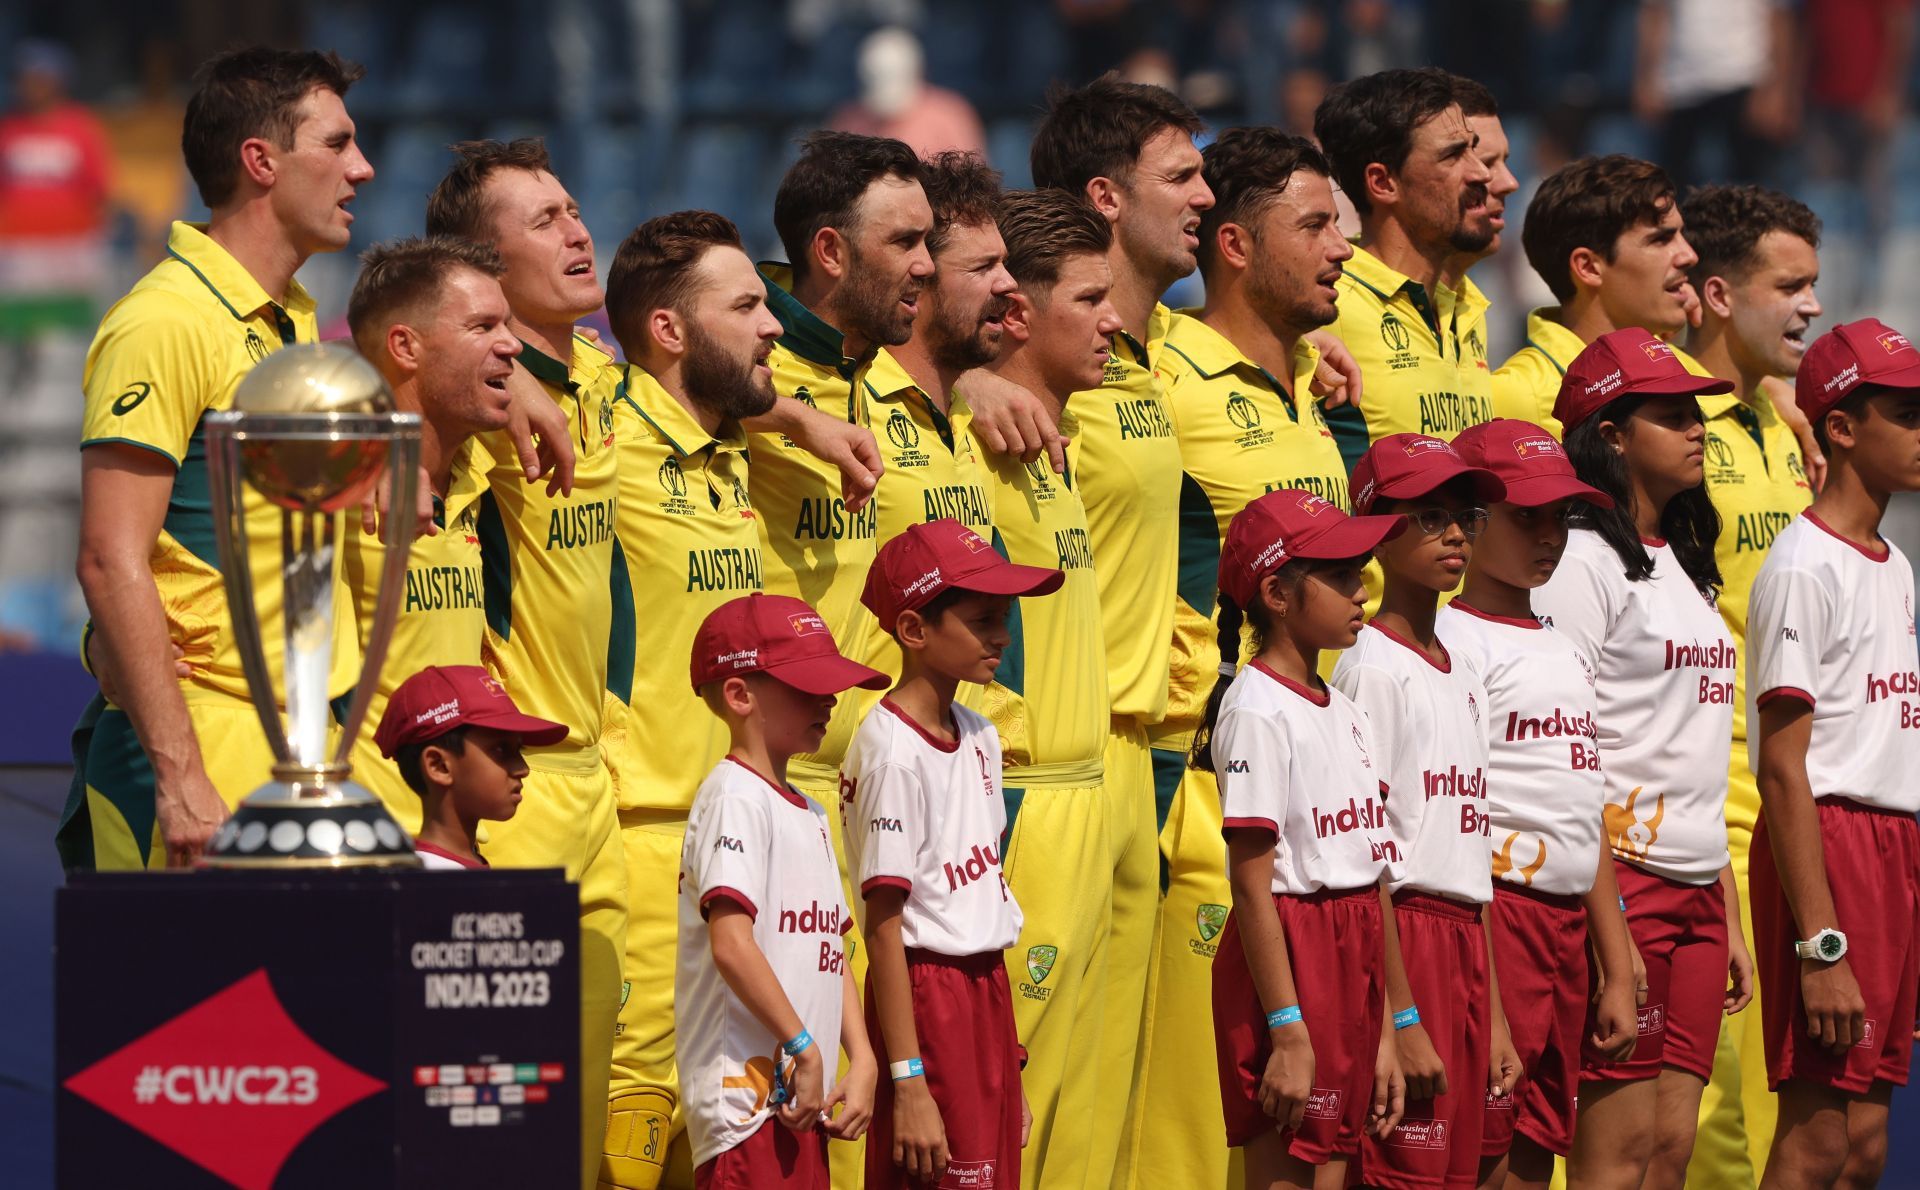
(622, 635)
(496, 567)
(1012, 671)
(189, 519)
(1199, 573)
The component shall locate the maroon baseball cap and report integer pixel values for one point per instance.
(1626, 363)
(779, 636)
(1281, 526)
(945, 555)
(440, 698)
(1530, 461)
(1848, 356)
(1405, 465)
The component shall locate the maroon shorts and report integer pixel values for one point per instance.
(1876, 854)
(963, 1012)
(1540, 951)
(1437, 1143)
(774, 1158)
(1333, 940)
(1681, 930)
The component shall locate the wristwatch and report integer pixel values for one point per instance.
(1829, 946)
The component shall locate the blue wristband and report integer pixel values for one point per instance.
(1406, 1018)
(909, 1068)
(1289, 1015)
(799, 1044)
(1623, 904)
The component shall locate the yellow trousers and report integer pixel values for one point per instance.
(566, 820)
(1737, 1111)
(1175, 1129)
(110, 824)
(1081, 862)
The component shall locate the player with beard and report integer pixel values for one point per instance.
(690, 314)
(920, 423)
(1237, 374)
(1404, 155)
(1470, 306)
(1128, 149)
(854, 220)
(1606, 235)
(1759, 260)
(430, 315)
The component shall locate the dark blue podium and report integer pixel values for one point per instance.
(317, 1029)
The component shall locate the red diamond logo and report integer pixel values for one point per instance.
(231, 1084)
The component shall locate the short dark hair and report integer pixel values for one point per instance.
(1045, 227)
(458, 205)
(1247, 169)
(407, 756)
(1726, 223)
(1474, 97)
(824, 187)
(1590, 203)
(1372, 118)
(653, 268)
(250, 93)
(397, 276)
(962, 189)
(1098, 131)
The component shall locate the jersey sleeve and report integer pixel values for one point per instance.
(890, 816)
(729, 853)
(1525, 387)
(1253, 762)
(1787, 622)
(1579, 602)
(147, 380)
(1383, 704)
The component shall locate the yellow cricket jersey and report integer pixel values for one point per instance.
(553, 593)
(814, 548)
(1241, 436)
(443, 616)
(1528, 384)
(1410, 350)
(1759, 484)
(1464, 314)
(933, 470)
(1126, 463)
(689, 542)
(167, 354)
(1049, 697)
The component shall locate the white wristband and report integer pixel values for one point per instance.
(907, 1068)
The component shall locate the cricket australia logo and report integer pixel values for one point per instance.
(1040, 961)
(1208, 921)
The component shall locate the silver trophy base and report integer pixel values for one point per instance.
(291, 824)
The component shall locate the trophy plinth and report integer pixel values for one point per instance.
(312, 430)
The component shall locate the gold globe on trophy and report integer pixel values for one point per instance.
(312, 430)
